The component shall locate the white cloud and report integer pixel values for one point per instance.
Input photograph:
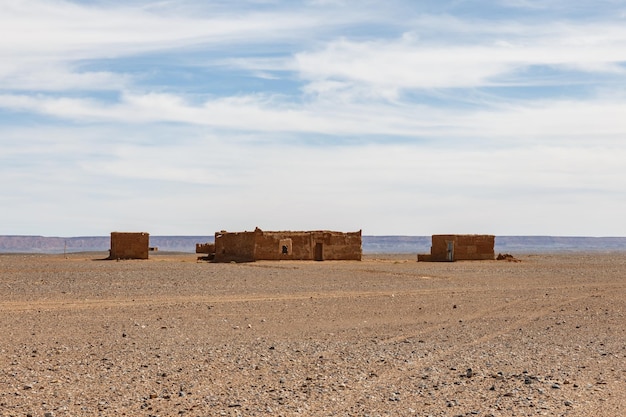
(396, 124)
(42, 38)
(161, 176)
(400, 64)
(528, 122)
(51, 76)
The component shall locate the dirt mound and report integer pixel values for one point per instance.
(507, 257)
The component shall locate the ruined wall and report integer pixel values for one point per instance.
(235, 247)
(283, 245)
(337, 246)
(463, 247)
(313, 245)
(207, 248)
(287, 245)
(126, 245)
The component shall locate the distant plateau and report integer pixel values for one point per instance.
(371, 244)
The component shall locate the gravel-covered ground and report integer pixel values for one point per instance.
(386, 336)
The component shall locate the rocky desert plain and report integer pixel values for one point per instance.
(386, 336)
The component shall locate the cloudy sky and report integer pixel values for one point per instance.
(186, 117)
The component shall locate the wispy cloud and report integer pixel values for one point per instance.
(382, 117)
(43, 36)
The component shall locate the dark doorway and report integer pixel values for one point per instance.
(319, 251)
(450, 251)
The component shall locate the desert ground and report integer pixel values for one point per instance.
(387, 336)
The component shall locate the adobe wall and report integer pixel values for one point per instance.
(207, 248)
(235, 246)
(288, 245)
(466, 247)
(339, 246)
(127, 245)
(271, 245)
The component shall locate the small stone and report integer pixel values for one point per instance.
(469, 373)
(556, 386)
(568, 403)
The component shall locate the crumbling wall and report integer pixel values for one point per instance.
(287, 245)
(235, 246)
(129, 245)
(337, 246)
(208, 248)
(461, 248)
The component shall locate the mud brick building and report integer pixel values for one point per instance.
(287, 245)
(207, 250)
(449, 248)
(127, 245)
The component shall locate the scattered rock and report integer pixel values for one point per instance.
(340, 355)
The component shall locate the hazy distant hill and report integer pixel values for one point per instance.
(396, 244)
(371, 244)
(504, 244)
(532, 244)
(41, 244)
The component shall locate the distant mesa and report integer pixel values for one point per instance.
(390, 244)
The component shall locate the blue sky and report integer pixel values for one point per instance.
(396, 117)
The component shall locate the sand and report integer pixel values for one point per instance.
(386, 336)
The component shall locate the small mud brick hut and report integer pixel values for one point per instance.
(129, 245)
(207, 249)
(259, 245)
(449, 248)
